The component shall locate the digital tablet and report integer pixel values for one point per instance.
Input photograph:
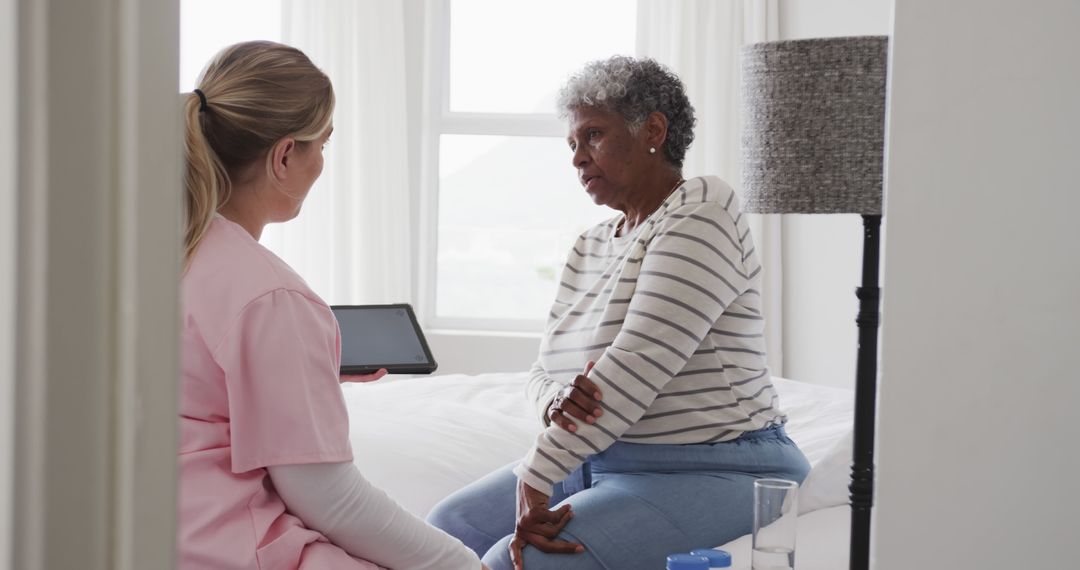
(382, 336)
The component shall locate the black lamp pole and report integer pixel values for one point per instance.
(862, 468)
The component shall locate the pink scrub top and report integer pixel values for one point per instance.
(259, 387)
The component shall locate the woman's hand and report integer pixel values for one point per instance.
(538, 525)
(576, 400)
(363, 377)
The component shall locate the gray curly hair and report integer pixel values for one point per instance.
(633, 88)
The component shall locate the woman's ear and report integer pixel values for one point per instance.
(282, 153)
(655, 129)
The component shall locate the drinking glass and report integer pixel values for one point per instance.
(776, 507)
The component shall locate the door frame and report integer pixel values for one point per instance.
(98, 172)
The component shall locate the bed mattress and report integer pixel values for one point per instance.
(420, 439)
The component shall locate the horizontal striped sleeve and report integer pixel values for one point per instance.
(541, 387)
(690, 273)
(540, 390)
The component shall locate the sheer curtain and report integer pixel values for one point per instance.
(352, 241)
(700, 40)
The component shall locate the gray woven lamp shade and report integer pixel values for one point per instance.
(814, 125)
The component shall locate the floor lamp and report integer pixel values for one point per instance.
(813, 143)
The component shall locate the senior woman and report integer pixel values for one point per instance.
(654, 344)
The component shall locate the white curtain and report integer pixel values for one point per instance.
(352, 241)
(700, 40)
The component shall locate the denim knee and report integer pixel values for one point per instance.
(498, 558)
(461, 519)
(451, 515)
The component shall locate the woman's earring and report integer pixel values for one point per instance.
(652, 150)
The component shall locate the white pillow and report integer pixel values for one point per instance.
(827, 483)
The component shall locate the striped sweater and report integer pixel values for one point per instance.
(671, 314)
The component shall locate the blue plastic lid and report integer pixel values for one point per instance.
(717, 558)
(687, 562)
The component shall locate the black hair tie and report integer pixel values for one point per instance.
(202, 100)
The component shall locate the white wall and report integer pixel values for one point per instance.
(476, 352)
(977, 425)
(7, 272)
(833, 18)
(823, 254)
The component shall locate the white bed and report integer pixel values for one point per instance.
(421, 439)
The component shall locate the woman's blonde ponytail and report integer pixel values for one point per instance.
(206, 182)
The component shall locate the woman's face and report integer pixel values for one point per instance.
(311, 162)
(604, 154)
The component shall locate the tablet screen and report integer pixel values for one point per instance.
(382, 336)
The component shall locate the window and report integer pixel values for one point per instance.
(500, 193)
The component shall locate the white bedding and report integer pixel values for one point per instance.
(420, 439)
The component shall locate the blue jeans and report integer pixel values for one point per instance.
(633, 504)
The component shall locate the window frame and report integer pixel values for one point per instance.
(438, 120)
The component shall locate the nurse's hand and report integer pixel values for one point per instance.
(364, 377)
(578, 400)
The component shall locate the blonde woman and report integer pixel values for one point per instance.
(266, 474)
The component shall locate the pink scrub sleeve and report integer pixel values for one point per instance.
(281, 362)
